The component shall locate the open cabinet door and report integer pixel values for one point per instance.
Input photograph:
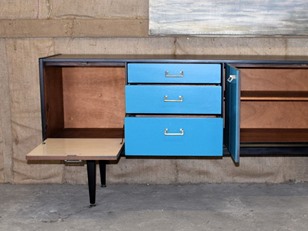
(232, 112)
(75, 149)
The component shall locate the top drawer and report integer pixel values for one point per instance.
(174, 73)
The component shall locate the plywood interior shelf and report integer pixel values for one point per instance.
(274, 95)
(84, 101)
(274, 104)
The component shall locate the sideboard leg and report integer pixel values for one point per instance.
(91, 169)
(102, 169)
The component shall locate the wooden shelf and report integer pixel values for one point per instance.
(272, 135)
(274, 96)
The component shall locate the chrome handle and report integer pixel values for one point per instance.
(180, 100)
(74, 162)
(168, 75)
(181, 133)
(231, 78)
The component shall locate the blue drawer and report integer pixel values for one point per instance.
(161, 136)
(166, 99)
(174, 73)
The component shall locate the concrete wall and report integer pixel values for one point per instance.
(36, 28)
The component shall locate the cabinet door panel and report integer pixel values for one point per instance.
(77, 149)
(232, 117)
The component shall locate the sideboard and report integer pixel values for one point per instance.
(170, 106)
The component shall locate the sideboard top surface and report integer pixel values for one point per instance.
(178, 58)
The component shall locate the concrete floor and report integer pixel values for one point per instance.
(155, 207)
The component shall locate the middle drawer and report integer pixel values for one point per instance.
(162, 99)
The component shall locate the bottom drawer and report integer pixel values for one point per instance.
(161, 136)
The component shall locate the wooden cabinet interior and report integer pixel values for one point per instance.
(84, 102)
(274, 104)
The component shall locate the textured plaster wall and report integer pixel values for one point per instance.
(36, 28)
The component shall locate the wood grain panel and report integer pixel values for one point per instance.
(266, 79)
(93, 97)
(260, 135)
(268, 114)
(274, 95)
(53, 91)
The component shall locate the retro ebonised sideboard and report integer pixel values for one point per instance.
(170, 106)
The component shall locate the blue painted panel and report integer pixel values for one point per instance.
(174, 73)
(146, 136)
(173, 99)
(232, 118)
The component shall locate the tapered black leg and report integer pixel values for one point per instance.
(102, 169)
(91, 169)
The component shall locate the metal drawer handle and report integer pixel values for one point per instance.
(74, 162)
(180, 100)
(181, 133)
(168, 75)
(231, 78)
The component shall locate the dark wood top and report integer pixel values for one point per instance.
(178, 58)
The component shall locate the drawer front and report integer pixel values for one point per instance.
(174, 73)
(173, 136)
(173, 99)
